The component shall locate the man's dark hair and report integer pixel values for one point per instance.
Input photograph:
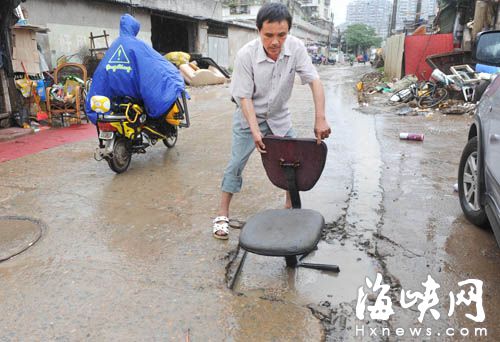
(273, 12)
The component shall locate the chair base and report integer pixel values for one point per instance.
(292, 261)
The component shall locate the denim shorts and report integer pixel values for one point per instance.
(241, 149)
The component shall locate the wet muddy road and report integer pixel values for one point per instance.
(131, 257)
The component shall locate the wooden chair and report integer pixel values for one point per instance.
(68, 108)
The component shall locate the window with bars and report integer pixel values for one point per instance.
(241, 9)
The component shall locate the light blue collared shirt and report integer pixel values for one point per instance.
(269, 83)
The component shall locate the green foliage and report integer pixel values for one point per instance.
(361, 37)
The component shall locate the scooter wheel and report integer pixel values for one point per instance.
(171, 138)
(121, 158)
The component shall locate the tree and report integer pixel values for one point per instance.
(361, 37)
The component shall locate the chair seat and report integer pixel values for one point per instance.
(282, 232)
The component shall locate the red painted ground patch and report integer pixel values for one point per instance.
(44, 140)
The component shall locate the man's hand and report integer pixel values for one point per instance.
(259, 144)
(321, 130)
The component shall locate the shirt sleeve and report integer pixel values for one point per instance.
(242, 84)
(305, 68)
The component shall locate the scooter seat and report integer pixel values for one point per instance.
(282, 232)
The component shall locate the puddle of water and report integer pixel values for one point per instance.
(354, 168)
(17, 235)
(269, 277)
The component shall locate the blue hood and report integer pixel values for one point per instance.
(133, 68)
(129, 26)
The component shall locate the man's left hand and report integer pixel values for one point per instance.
(321, 130)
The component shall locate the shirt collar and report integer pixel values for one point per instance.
(285, 51)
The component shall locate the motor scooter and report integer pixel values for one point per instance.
(124, 128)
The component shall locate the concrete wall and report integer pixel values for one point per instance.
(70, 24)
(317, 31)
(239, 36)
(309, 33)
(254, 9)
(204, 8)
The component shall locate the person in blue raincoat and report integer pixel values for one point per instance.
(133, 68)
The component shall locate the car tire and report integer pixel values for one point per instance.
(468, 185)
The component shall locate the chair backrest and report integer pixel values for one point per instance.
(70, 69)
(304, 156)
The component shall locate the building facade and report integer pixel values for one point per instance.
(317, 9)
(312, 19)
(374, 13)
(407, 10)
(168, 25)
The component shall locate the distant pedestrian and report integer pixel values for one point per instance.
(261, 85)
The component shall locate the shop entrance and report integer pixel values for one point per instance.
(170, 33)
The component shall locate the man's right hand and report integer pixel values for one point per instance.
(259, 144)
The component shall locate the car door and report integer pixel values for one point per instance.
(490, 119)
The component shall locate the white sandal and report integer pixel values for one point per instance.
(221, 227)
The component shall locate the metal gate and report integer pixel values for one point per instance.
(218, 50)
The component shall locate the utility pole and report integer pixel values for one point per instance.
(417, 14)
(339, 38)
(290, 4)
(393, 17)
(330, 35)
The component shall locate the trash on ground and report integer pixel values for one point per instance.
(407, 111)
(404, 83)
(465, 73)
(411, 136)
(372, 82)
(456, 107)
(403, 95)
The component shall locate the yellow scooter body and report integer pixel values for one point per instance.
(124, 129)
(171, 116)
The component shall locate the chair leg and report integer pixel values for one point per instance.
(77, 102)
(238, 269)
(324, 267)
(47, 104)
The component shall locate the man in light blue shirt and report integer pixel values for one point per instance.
(261, 85)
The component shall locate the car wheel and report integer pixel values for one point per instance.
(468, 185)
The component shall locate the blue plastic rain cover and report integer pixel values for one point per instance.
(133, 68)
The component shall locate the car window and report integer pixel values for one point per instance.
(488, 48)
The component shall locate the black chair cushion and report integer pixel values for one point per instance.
(282, 232)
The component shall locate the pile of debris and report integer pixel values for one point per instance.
(455, 93)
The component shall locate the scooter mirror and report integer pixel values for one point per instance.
(100, 104)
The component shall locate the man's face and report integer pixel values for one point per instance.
(273, 35)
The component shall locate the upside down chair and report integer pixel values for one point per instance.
(293, 165)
